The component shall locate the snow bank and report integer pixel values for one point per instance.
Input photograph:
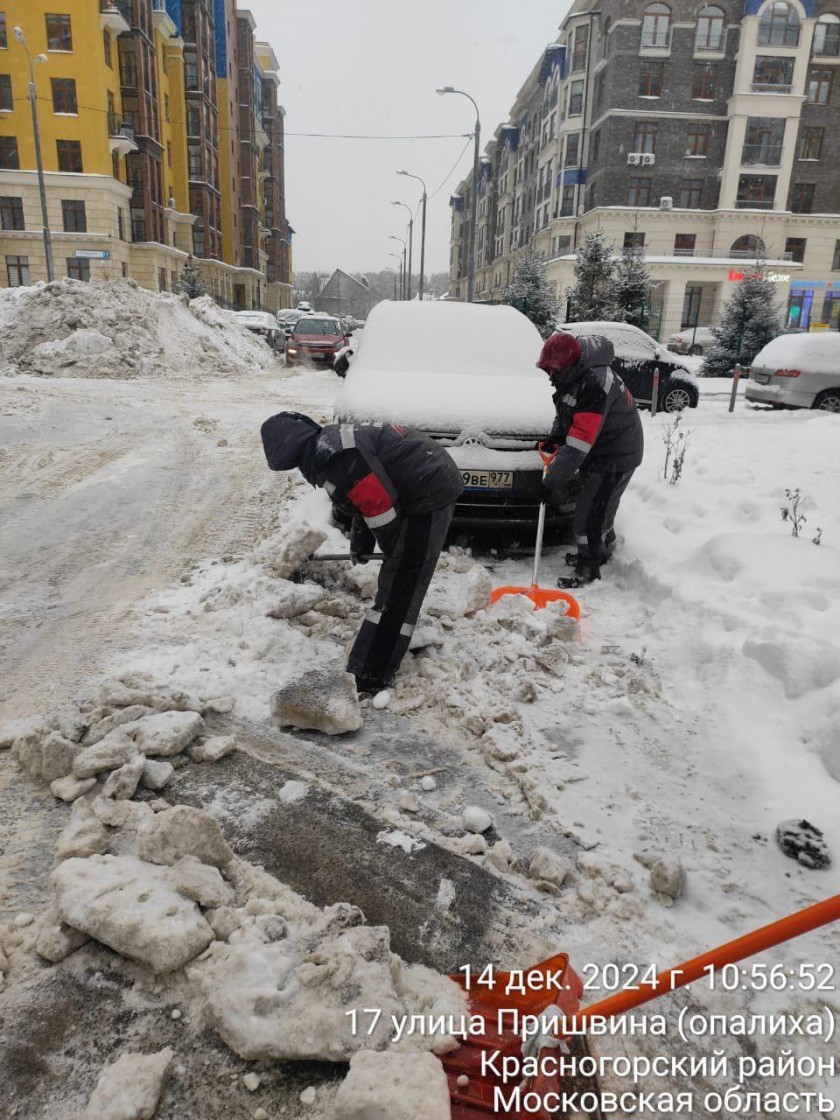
(117, 329)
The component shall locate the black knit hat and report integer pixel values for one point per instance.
(289, 441)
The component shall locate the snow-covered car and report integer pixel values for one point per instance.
(466, 375)
(262, 323)
(798, 371)
(691, 340)
(637, 356)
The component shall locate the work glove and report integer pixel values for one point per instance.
(362, 541)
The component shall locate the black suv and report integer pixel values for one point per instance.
(637, 355)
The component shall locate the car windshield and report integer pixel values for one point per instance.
(317, 326)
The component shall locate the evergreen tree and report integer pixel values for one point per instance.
(592, 297)
(750, 319)
(190, 285)
(631, 287)
(529, 291)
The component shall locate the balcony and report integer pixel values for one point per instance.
(767, 155)
(754, 203)
(163, 21)
(111, 18)
(828, 48)
(713, 43)
(121, 136)
(770, 87)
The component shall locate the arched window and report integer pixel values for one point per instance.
(779, 26)
(748, 246)
(604, 42)
(656, 25)
(710, 33)
(827, 37)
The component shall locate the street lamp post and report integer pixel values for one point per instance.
(404, 252)
(410, 239)
(398, 257)
(395, 275)
(471, 238)
(33, 102)
(422, 231)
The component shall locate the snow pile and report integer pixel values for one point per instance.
(117, 329)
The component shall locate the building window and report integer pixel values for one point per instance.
(684, 244)
(567, 202)
(756, 192)
(827, 37)
(9, 158)
(779, 26)
(795, 249)
(819, 86)
(689, 195)
(703, 86)
(638, 191)
(580, 48)
(576, 99)
(697, 140)
(810, 142)
(573, 149)
(78, 268)
(599, 89)
(650, 77)
(763, 141)
(17, 269)
(169, 153)
(69, 155)
(7, 102)
(634, 240)
(802, 198)
(835, 260)
(748, 246)
(162, 285)
(691, 306)
(596, 146)
(75, 217)
(11, 213)
(193, 121)
(120, 224)
(64, 96)
(4, 40)
(644, 137)
(709, 35)
(166, 108)
(59, 35)
(124, 268)
(772, 75)
(106, 43)
(115, 165)
(655, 26)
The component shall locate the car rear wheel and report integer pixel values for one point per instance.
(676, 399)
(829, 401)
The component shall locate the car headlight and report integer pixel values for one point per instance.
(291, 350)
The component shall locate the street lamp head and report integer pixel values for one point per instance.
(402, 172)
(19, 35)
(446, 89)
(41, 58)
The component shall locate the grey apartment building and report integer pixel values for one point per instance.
(708, 134)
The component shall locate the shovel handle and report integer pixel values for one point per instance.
(776, 933)
(346, 556)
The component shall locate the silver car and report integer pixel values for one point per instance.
(798, 371)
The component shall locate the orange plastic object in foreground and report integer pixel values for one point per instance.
(541, 597)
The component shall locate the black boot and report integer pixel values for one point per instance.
(584, 574)
(369, 686)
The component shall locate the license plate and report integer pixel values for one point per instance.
(488, 480)
(761, 378)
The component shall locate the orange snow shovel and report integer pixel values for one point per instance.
(541, 596)
(472, 1090)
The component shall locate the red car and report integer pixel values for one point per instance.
(315, 337)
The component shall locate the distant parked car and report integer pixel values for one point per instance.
(691, 340)
(798, 371)
(264, 324)
(316, 338)
(466, 375)
(637, 355)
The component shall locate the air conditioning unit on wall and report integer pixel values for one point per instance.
(648, 159)
(666, 202)
(634, 158)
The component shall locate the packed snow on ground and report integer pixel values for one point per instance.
(694, 707)
(117, 329)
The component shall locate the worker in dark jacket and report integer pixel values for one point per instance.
(598, 433)
(399, 488)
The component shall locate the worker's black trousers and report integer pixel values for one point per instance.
(386, 632)
(595, 513)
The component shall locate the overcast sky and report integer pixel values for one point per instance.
(372, 66)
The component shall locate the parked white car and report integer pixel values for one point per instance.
(691, 340)
(263, 324)
(798, 371)
(466, 375)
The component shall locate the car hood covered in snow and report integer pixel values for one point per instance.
(447, 367)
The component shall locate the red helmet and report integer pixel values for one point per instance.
(559, 352)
